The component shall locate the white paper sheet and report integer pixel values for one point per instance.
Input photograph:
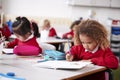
(62, 64)
(7, 50)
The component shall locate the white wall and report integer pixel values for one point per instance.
(54, 8)
(0, 6)
(57, 8)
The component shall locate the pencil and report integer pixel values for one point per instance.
(69, 46)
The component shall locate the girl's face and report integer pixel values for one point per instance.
(74, 27)
(87, 42)
(46, 25)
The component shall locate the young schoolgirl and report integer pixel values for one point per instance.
(47, 31)
(50, 31)
(25, 43)
(92, 45)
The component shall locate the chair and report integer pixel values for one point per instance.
(109, 74)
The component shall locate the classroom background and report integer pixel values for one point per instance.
(62, 13)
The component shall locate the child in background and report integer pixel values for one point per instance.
(5, 31)
(47, 27)
(48, 32)
(70, 34)
(25, 43)
(93, 46)
(44, 46)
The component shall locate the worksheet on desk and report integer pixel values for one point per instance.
(7, 50)
(62, 64)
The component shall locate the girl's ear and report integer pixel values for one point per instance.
(29, 33)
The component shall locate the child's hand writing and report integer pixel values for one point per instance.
(5, 44)
(89, 60)
(69, 57)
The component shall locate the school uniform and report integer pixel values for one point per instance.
(5, 32)
(98, 57)
(68, 33)
(52, 32)
(31, 41)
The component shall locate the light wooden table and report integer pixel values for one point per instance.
(58, 43)
(24, 69)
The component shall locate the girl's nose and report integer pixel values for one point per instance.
(85, 46)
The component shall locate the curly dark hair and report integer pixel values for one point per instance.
(94, 30)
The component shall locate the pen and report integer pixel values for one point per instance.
(69, 46)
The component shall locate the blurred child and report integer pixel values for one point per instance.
(50, 31)
(5, 31)
(44, 46)
(25, 43)
(92, 45)
(70, 34)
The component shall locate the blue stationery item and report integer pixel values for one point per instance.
(11, 74)
(54, 55)
(6, 77)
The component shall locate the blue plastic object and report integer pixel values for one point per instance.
(10, 77)
(55, 55)
(11, 74)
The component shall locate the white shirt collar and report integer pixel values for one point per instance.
(93, 50)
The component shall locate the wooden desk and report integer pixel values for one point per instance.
(56, 42)
(25, 70)
(53, 40)
(48, 40)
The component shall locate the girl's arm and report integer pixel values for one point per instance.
(107, 59)
(11, 44)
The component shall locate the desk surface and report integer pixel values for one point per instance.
(49, 40)
(25, 70)
(53, 40)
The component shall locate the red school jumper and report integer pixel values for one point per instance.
(100, 57)
(5, 32)
(52, 32)
(30, 42)
(68, 33)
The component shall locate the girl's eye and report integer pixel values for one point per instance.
(86, 43)
(89, 42)
(82, 42)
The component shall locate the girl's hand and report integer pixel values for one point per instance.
(86, 60)
(5, 44)
(69, 57)
(69, 36)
